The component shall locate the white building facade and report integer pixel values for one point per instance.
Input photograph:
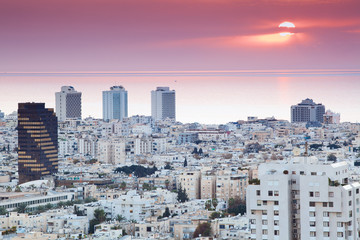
(115, 103)
(68, 104)
(163, 103)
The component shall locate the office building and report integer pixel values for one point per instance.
(115, 103)
(68, 104)
(37, 141)
(303, 199)
(307, 111)
(163, 103)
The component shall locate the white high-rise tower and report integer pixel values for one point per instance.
(163, 103)
(68, 104)
(115, 103)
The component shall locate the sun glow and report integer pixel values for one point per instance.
(287, 25)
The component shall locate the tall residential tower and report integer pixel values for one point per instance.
(163, 103)
(68, 104)
(115, 103)
(37, 141)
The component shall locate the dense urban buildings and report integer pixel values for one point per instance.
(331, 117)
(307, 111)
(304, 199)
(115, 103)
(163, 103)
(37, 141)
(68, 104)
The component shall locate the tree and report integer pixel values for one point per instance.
(146, 187)
(185, 163)
(166, 213)
(203, 229)
(120, 218)
(3, 211)
(17, 189)
(200, 151)
(21, 208)
(99, 217)
(9, 189)
(215, 203)
(182, 195)
(331, 158)
(167, 184)
(167, 166)
(208, 204)
(123, 186)
(195, 151)
(236, 206)
(49, 206)
(216, 215)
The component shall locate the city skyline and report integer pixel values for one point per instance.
(248, 93)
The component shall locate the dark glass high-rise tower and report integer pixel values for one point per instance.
(38, 141)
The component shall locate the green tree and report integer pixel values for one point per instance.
(167, 184)
(216, 215)
(166, 213)
(236, 206)
(9, 189)
(215, 203)
(203, 229)
(208, 204)
(99, 217)
(17, 189)
(146, 187)
(3, 211)
(182, 195)
(185, 163)
(21, 208)
(123, 186)
(48, 206)
(167, 166)
(331, 158)
(120, 218)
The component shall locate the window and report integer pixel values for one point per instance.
(350, 203)
(325, 204)
(276, 213)
(257, 192)
(338, 214)
(276, 232)
(264, 231)
(311, 194)
(349, 193)
(317, 194)
(264, 203)
(331, 204)
(312, 234)
(259, 202)
(326, 234)
(325, 214)
(340, 224)
(264, 212)
(252, 221)
(222, 226)
(276, 203)
(312, 224)
(350, 213)
(331, 194)
(326, 224)
(270, 193)
(357, 191)
(276, 222)
(340, 234)
(264, 222)
(276, 193)
(312, 204)
(312, 214)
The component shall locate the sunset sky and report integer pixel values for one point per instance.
(116, 36)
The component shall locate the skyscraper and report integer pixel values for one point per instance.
(68, 104)
(163, 103)
(307, 111)
(37, 141)
(115, 103)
